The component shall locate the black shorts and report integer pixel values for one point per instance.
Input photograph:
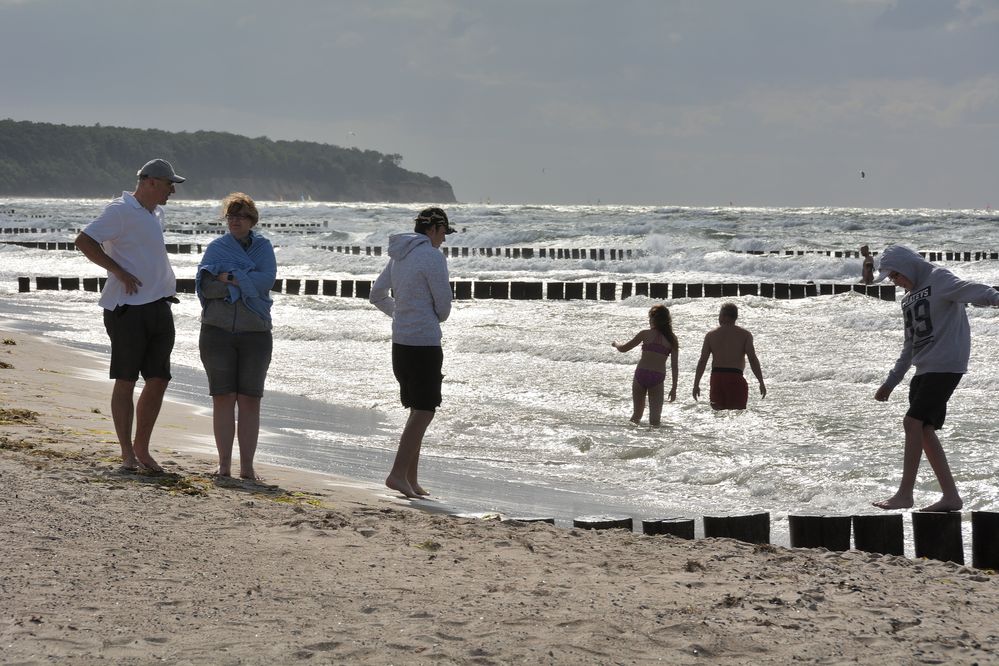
(418, 370)
(141, 340)
(928, 396)
(235, 362)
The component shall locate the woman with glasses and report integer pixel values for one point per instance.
(233, 283)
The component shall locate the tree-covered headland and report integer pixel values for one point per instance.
(47, 160)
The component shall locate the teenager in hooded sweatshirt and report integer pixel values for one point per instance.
(938, 343)
(420, 300)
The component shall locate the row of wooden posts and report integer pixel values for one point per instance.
(936, 536)
(376, 250)
(481, 290)
(599, 254)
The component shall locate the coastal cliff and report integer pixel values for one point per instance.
(47, 160)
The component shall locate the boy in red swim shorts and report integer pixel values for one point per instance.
(729, 346)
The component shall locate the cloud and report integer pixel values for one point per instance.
(881, 105)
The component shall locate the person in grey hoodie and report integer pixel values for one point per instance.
(938, 343)
(419, 301)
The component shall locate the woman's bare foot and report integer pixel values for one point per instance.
(895, 502)
(251, 475)
(418, 489)
(402, 486)
(222, 473)
(946, 504)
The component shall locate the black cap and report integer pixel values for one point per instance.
(434, 215)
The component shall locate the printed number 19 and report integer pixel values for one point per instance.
(917, 318)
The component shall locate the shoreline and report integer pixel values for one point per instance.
(460, 487)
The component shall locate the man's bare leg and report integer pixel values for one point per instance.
(122, 413)
(638, 398)
(407, 457)
(146, 410)
(248, 432)
(224, 427)
(951, 500)
(902, 499)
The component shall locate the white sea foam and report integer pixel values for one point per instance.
(534, 390)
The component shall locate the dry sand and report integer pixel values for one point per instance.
(103, 565)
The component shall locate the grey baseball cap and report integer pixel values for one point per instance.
(160, 168)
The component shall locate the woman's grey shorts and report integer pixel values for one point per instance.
(235, 362)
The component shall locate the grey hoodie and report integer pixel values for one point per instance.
(937, 333)
(417, 275)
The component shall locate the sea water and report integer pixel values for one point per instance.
(535, 394)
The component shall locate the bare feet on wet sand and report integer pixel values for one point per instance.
(250, 475)
(895, 502)
(402, 486)
(945, 504)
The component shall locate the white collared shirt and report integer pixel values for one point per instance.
(133, 237)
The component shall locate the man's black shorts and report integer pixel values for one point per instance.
(141, 340)
(418, 370)
(928, 396)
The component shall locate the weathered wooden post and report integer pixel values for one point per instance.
(830, 532)
(985, 540)
(603, 522)
(753, 528)
(879, 533)
(937, 535)
(682, 528)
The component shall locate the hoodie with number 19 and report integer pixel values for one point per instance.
(937, 332)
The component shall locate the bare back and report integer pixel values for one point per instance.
(729, 345)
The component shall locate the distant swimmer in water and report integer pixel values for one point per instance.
(938, 343)
(868, 269)
(658, 343)
(729, 346)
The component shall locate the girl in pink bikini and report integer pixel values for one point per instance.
(658, 343)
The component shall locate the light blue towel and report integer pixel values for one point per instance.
(255, 267)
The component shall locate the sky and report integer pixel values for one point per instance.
(646, 102)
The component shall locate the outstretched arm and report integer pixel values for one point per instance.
(702, 363)
(628, 346)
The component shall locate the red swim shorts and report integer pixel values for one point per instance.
(729, 389)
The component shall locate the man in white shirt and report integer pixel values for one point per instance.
(127, 241)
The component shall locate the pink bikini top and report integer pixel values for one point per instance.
(656, 347)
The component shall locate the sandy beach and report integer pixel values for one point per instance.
(104, 565)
